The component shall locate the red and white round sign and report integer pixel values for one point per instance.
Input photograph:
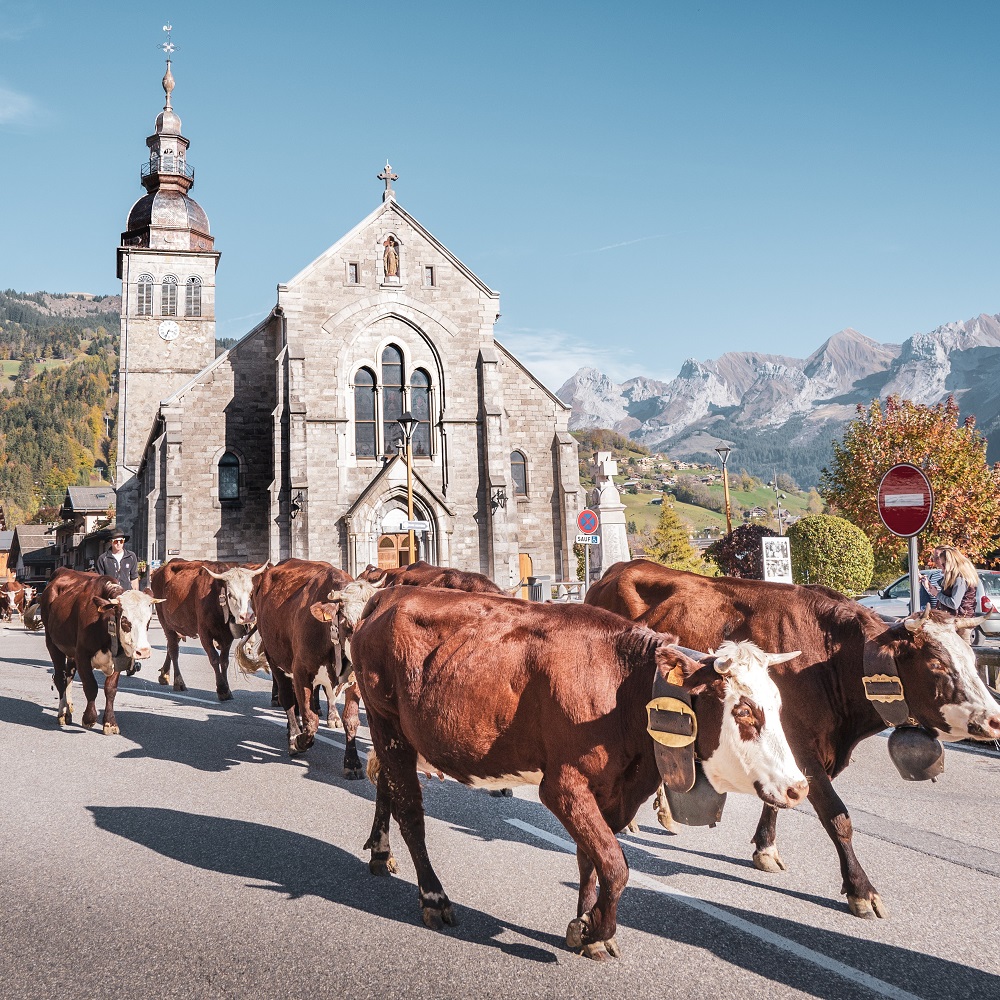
(587, 521)
(905, 500)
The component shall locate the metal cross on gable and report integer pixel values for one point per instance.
(388, 176)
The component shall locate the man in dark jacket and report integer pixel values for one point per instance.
(120, 562)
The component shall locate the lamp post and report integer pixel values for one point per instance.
(408, 423)
(723, 452)
(778, 497)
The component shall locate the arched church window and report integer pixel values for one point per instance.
(192, 297)
(420, 407)
(392, 397)
(229, 477)
(364, 414)
(145, 292)
(168, 296)
(519, 473)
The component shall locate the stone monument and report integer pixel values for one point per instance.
(605, 499)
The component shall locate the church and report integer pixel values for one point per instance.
(290, 444)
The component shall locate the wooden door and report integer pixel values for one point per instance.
(524, 568)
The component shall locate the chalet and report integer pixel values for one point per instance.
(84, 510)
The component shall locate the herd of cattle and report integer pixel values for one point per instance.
(599, 705)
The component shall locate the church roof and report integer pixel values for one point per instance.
(391, 206)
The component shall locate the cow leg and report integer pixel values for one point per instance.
(862, 897)
(63, 680)
(221, 682)
(765, 854)
(352, 720)
(571, 801)
(309, 719)
(662, 808)
(173, 659)
(89, 683)
(587, 898)
(110, 690)
(275, 696)
(381, 861)
(398, 760)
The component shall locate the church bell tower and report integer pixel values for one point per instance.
(167, 264)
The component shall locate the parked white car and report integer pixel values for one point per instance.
(894, 602)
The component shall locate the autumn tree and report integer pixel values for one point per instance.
(951, 452)
(670, 545)
(739, 553)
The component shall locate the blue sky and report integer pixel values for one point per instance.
(641, 182)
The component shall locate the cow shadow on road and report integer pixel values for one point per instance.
(904, 969)
(271, 859)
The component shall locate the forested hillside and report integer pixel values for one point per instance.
(57, 402)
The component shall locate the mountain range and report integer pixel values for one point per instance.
(780, 414)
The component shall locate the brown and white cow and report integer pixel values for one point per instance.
(494, 692)
(301, 652)
(12, 600)
(91, 624)
(210, 600)
(825, 711)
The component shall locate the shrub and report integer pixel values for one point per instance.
(739, 553)
(831, 551)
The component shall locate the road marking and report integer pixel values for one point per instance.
(710, 910)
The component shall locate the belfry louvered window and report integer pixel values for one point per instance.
(192, 297)
(144, 288)
(168, 296)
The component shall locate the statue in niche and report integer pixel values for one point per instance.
(390, 257)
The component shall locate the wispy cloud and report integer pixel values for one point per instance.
(554, 355)
(623, 243)
(17, 108)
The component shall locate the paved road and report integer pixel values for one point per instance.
(191, 857)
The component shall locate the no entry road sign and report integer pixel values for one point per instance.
(905, 500)
(587, 521)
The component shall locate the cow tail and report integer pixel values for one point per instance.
(374, 766)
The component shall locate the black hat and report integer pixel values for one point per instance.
(118, 533)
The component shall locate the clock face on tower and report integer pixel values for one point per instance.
(169, 329)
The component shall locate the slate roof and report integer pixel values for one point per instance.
(89, 499)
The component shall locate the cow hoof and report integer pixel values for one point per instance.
(180, 686)
(165, 680)
(111, 730)
(300, 743)
(768, 860)
(275, 703)
(354, 773)
(226, 695)
(871, 908)
(633, 827)
(66, 719)
(601, 951)
(334, 723)
(383, 866)
(502, 793)
(577, 932)
(437, 915)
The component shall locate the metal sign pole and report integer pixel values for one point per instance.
(914, 575)
(586, 569)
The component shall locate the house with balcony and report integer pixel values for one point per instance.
(84, 511)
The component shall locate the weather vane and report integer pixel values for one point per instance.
(167, 46)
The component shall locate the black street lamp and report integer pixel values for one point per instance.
(408, 424)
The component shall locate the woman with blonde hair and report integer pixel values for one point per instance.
(956, 594)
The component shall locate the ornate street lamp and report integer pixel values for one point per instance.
(408, 424)
(778, 497)
(723, 452)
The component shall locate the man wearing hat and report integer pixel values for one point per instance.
(120, 562)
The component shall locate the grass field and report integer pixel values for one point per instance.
(10, 370)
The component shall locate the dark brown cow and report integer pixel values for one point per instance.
(494, 692)
(423, 574)
(301, 652)
(825, 711)
(90, 623)
(210, 600)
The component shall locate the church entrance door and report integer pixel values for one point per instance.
(394, 551)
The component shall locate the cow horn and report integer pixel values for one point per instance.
(775, 658)
(335, 597)
(257, 572)
(214, 576)
(915, 624)
(691, 654)
(961, 623)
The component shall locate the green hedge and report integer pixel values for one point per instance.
(831, 551)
